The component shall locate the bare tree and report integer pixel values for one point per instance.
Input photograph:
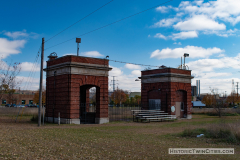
(8, 79)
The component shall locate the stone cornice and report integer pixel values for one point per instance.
(77, 68)
(159, 75)
(78, 65)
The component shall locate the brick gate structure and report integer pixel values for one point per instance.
(68, 81)
(167, 89)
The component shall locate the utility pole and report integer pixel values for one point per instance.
(40, 86)
(237, 91)
(114, 83)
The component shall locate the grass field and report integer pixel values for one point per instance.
(118, 140)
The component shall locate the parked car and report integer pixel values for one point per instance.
(7, 105)
(29, 105)
(33, 105)
(235, 107)
(13, 105)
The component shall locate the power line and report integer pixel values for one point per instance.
(34, 73)
(133, 63)
(111, 23)
(79, 21)
(32, 70)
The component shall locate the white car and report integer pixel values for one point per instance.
(20, 106)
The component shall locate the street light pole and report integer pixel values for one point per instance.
(185, 55)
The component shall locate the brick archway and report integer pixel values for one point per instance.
(69, 79)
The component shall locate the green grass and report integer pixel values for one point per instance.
(106, 141)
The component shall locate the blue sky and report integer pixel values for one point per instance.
(207, 30)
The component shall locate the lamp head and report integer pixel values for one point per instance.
(186, 55)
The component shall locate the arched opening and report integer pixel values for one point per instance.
(89, 100)
(181, 104)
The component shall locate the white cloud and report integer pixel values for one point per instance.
(22, 34)
(136, 73)
(28, 66)
(199, 22)
(184, 35)
(10, 47)
(181, 35)
(207, 17)
(165, 22)
(123, 81)
(220, 84)
(70, 54)
(27, 83)
(221, 55)
(194, 51)
(224, 33)
(115, 71)
(179, 43)
(92, 54)
(162, 9)
(17, 34)
(159, 35)
(132, 66)
(211, 64)
(215, 73)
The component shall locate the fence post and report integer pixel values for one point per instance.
(43, 113)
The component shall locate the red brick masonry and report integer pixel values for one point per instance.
(168, 84)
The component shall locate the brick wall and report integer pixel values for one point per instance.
(69, 91)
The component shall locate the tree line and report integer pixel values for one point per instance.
(119, 98)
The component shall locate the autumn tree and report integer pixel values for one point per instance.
(137, 99)
(118, 96)
(36, 97)
(233, 98)
(209, 100)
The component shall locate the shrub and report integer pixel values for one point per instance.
(35, 118)
(223, 132)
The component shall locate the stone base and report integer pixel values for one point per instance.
(62, 120)
(101, 120)
(189, 116)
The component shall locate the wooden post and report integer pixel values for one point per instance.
(58, 118)
(40, 86)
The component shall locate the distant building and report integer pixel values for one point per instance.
(133, 94)
(198, 104)
(194, 90)
(22, 98)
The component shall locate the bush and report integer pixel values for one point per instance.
(35, 118)
(229, 133)
(193, 132)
